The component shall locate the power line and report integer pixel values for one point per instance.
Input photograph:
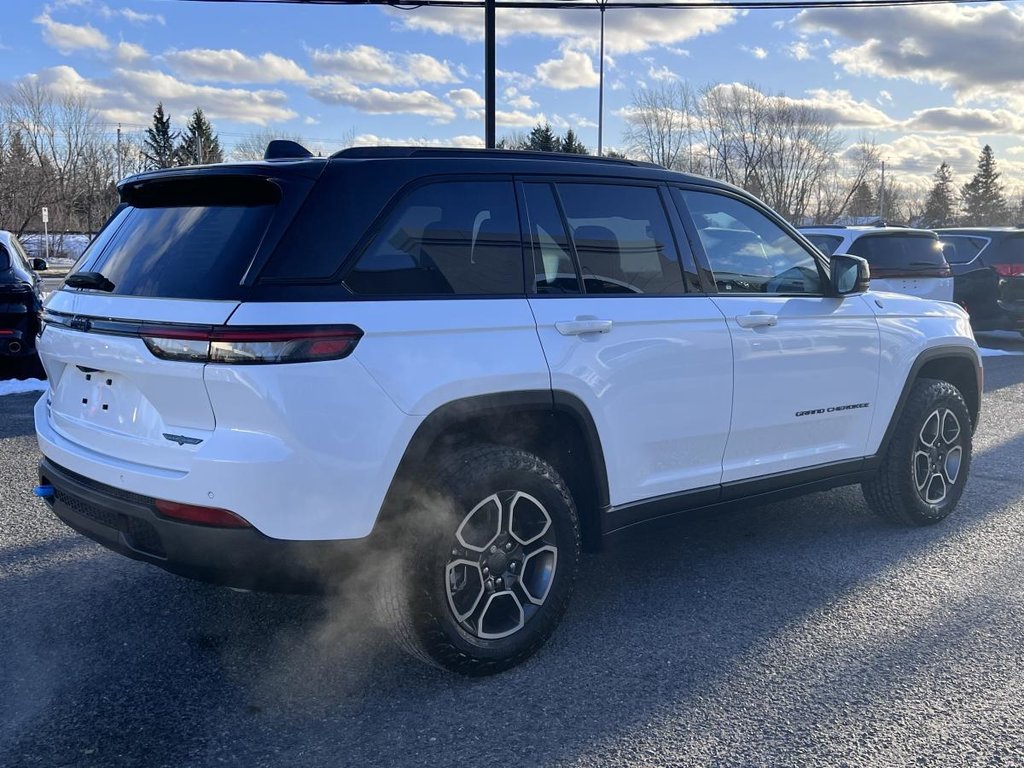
(585, 5)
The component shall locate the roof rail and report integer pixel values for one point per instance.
(285, 149)
(358, 153)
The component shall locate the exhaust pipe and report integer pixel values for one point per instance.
(14, 347)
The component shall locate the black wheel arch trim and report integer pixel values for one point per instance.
(449, 416)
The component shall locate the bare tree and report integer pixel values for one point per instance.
(662, 126)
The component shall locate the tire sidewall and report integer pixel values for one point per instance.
(935, 395)
(458, 496)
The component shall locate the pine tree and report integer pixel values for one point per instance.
(199, 144)
(572, 145)
(158, 148)
(984, 204)
(863, 202)
(543, 139)
(941, 202)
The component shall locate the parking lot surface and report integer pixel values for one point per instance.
(804, 633)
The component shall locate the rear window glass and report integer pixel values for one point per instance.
(827, 244)
(5, 259)
(457, 237)
(964, 248)
(1011, 251)
(899, 251)
(184, 252)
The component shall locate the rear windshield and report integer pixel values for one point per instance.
(827, 244)
(964, 248)
(164, 246)
(899, 251)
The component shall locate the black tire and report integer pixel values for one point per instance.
(895, 493)
(416, 599)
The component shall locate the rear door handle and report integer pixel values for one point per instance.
(757, 319)
(583, 325)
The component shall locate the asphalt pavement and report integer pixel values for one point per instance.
(797, 634)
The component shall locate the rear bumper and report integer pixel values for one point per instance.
(128, 523)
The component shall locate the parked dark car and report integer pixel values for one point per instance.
(21, 300)
(988, 272)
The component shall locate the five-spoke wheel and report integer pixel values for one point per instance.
(938, 455)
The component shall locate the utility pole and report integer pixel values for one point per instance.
(881, 196)
(600, 88)
(490, 88)
(119, 152)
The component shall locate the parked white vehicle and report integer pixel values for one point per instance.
(902, 260)
(476, 363)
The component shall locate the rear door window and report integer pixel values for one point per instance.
(905, 253)
(5, 259)
(553, 266)
(623, 239)
(446, 238)
(965, 248)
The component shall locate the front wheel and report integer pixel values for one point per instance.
(924, 469)
(494, 550)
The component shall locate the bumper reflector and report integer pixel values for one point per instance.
(196, 515)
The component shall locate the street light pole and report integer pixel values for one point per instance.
(600, 88)
(489, 75)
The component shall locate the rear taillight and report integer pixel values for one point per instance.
(252, 345)
(196, 515)
(1009, 270)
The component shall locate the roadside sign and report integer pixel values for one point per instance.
(46, 215)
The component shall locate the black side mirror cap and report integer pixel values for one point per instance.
(849, 275)
(40, 265)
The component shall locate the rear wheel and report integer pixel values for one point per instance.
(493, 546)
(925, 467)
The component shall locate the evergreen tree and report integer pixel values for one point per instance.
(543, 139)
(863, 202)
(158, 148)
(982, 197)
(572, 145)
(941, 202)
(199, 144)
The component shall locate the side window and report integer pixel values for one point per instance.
(623, 239)
(457, 237)
(827, 244)
(748, 252)
(5, 259)
(553, 267)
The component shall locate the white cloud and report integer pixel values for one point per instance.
(516, 79)
(662, 74)
(366, 64)
(466, 98)
(800, 51)
(973, 50)
(574, 70)
(128, 14)
(230, 66)
(757, 51)
(632, 32)
(377, 101)
(129, 53)
(519, 100)
(68, 38)
(582, 122)
(884, 96)
(372, 140)
(963, 120)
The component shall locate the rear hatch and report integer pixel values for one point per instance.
(907, 262)
(174, 260)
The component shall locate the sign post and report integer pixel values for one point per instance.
(46, 232)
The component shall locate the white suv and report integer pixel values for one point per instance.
(902, 260)
(444, 373)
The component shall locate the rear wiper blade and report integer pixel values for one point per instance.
(89, 280)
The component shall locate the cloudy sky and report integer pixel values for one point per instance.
(928, 84)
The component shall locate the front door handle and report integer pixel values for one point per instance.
(583, 325)
(757, 319)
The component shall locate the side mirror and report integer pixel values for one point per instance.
(849, 274)
(40, 265)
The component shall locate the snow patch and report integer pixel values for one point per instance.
(17, 387)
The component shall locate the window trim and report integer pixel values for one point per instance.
(712, 287)
(553, 180)
(384, 216)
